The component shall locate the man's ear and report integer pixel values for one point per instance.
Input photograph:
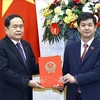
(5, 28)
(95, 28)
(78, 28)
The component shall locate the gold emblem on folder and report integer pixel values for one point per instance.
(50, 67)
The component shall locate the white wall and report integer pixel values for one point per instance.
(47, 50)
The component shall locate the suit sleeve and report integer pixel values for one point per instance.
(35, 67)
(65, 63)
(65, 68)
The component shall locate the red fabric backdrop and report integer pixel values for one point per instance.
(27, 11)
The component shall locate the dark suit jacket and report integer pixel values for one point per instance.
(86, 72)
(14, 75)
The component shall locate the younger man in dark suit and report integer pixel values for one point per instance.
(81, 67)
(17, 62)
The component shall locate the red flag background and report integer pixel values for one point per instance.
(27, 10)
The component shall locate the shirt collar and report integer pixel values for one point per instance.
(89, 42)
(15, 42)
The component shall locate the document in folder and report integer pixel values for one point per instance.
(50, 71)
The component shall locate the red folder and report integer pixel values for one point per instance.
(50, 71)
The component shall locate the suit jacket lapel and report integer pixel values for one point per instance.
(14, 49)
(25, 50)
(92, 47)
(77, 48)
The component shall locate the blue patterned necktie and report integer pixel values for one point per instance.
(21, 52)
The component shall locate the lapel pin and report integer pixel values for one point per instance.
(25, 48)
(92, 48)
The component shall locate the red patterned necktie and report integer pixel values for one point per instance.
(85, 50)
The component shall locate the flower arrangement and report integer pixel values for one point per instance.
(60, 18)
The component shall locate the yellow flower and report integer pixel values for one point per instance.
(68, 12)
(83, 1)
(48, 22)
(47, 12)
(97, 6)
(57, 10)
(66, 20)
(75, 25)
(72, 17)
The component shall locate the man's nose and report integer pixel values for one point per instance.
(86, 27)
(18, 28)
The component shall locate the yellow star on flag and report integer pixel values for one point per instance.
(6, 4)
(31, 1)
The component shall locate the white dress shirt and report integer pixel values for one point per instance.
(88, 43)
(20, 45)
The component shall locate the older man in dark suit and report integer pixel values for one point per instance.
(17, 62)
